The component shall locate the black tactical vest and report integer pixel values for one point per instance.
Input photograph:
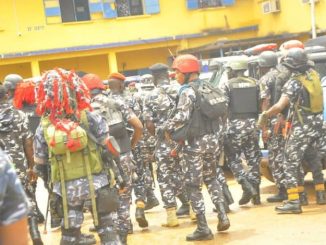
(244, 98)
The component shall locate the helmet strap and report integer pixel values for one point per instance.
(187, 77)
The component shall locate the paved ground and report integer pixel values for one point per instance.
(249, 224)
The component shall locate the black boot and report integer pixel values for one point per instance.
(303, 198)
(110, 237)
(279, 197)
(248, 191)
(227, 194)
(223, 220)
(151, 200)
(321, 197)
(74, 237)
(184, 209)
(202, 232)
(123, 237)
(140, 217)
(33, 231)
(256, 199)
(130, 228)
(289, 207)
(86, 239)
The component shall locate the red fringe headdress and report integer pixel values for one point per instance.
(24, 93)
(62, 95)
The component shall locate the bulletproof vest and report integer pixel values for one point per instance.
(117, 126)
(65, 163)
(312, 93)
(244, 98)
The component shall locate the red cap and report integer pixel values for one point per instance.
(117, 75)
(186, 63)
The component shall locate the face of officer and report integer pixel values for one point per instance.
(180, 77)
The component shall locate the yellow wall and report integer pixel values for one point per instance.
(24, 69)
(23, 28)
(91, 64)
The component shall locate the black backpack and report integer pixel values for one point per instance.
(211, 100)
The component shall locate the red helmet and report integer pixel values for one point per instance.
(186, 63)
(117, 75)
(291, 44)
(93, 81)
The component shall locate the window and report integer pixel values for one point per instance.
(197, 4)
(74, 10)
(209, 3)
(129, 7)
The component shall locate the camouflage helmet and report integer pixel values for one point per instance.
(11, 81)
(296, 58)
(146, 79)
(267, 59)
(237, 64)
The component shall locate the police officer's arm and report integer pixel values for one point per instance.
(27, 138)
(138, 130)
(150, 127)
(283, 102)
(29, 153)
(14, 207)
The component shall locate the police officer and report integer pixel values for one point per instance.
(17, 141)
(14, 205)
(199, 149)
(303, 92)
(116, 85)
(24, 100)
(10, 82)
(157, 108)
(271, 85)
(144, 151)
(77, 170)
(241, 134)
(272, 135)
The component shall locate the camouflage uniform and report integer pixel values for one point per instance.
(128, 168)
(13, 201)
(143, 153)
(276, 142)
(78, 189)
(157, 107)
(199, 154)
(13, 132)
(242, 138)
(301, 138)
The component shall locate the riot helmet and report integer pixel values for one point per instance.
(267, 59)
(291, 44)
(186, 63)
(93, 81)
(239, 64)
(296, 58)
(11, 81)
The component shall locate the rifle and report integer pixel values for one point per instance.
(108, 160)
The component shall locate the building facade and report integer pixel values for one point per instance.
(103, 36)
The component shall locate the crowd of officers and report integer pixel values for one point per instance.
(93, 142)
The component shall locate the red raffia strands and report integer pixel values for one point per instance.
(61, 94)
(24, 93)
